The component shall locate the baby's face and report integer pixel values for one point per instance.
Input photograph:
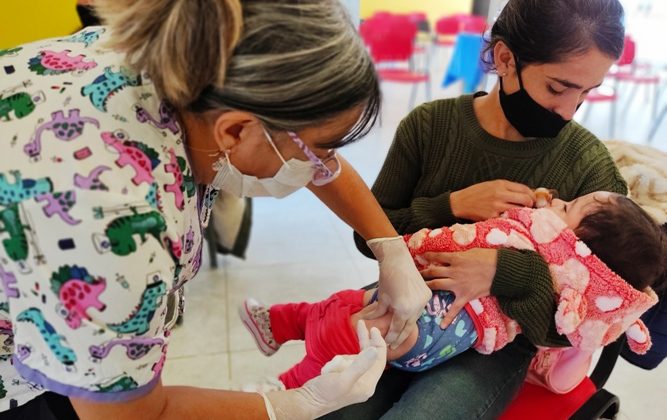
(572, 212)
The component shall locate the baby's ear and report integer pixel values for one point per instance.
(639, 338)
(571, 310)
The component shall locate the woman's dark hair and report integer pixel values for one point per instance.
(628, 240)
(548, 31)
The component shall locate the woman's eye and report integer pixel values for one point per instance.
(554, 91)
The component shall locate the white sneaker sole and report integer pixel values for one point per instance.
(250, 325)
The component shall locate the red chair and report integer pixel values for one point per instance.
(391, 41)
(473, 24)
(628, 71)
(609, 94)
(446, 29)
(599, 95)
(589, 400)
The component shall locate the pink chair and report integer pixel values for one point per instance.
(391, 41)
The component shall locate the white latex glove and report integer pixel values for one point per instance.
(401, 288)
(345, 380)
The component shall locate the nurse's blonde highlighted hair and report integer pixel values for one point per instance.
(292, 63)
(184, 45)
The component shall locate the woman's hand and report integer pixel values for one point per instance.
(345, 380)
(468, 274)
(490, 199)
(401, 288)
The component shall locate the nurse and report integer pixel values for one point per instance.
(115, 141)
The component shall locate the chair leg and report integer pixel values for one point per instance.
(656, 124)
(427, 85)
(413, 96)
(602, 404)
(212, 249)
(654, 105)
(587, 112)
(612, 119)
(633, 91)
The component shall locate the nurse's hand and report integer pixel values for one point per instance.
(468, 274)
(401, 288)
(345, 380)
(490, 199)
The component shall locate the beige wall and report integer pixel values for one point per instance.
(433, 8)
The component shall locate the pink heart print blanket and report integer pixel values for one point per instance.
(594, 304)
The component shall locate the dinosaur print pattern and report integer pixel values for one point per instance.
(21, 104)
(49, 62)
(86, 36)
(166, 120)
(60, 204)
(16, 245)
(124, 383)
(22, 189)
(177, 187)
(100, 218)
(139, 321)
(135, 348)
(108, 84)
(64, 354)
(10, 51)
(8, 280)
(121, 231)
(141, 158)
(92, 180)
(64, 128)
(78, 291)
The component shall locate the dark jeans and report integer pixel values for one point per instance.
(48, 406)
(469, 386)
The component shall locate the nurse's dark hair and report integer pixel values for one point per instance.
(550, 31)
(294, 63)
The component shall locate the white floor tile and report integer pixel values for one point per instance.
(252, 366)
(642, 393)
(204, 328)
(206, 371)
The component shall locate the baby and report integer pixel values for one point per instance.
(596, 301)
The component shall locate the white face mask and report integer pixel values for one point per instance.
(292, 175)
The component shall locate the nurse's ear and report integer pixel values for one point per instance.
(231, 127)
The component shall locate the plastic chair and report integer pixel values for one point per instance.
(609, 94)
(589, 400)
(446, 29)
(391, 41)
(603, 94)
(629, 71)
(472, 24)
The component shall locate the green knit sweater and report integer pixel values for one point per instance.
(440, 147)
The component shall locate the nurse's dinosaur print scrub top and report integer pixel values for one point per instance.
(99, 222)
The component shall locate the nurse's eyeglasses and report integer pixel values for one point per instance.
(326, 170)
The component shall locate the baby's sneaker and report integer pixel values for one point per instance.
(255, 317)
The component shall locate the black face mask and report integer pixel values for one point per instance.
(527, 116)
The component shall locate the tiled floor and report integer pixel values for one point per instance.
(301, 251)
